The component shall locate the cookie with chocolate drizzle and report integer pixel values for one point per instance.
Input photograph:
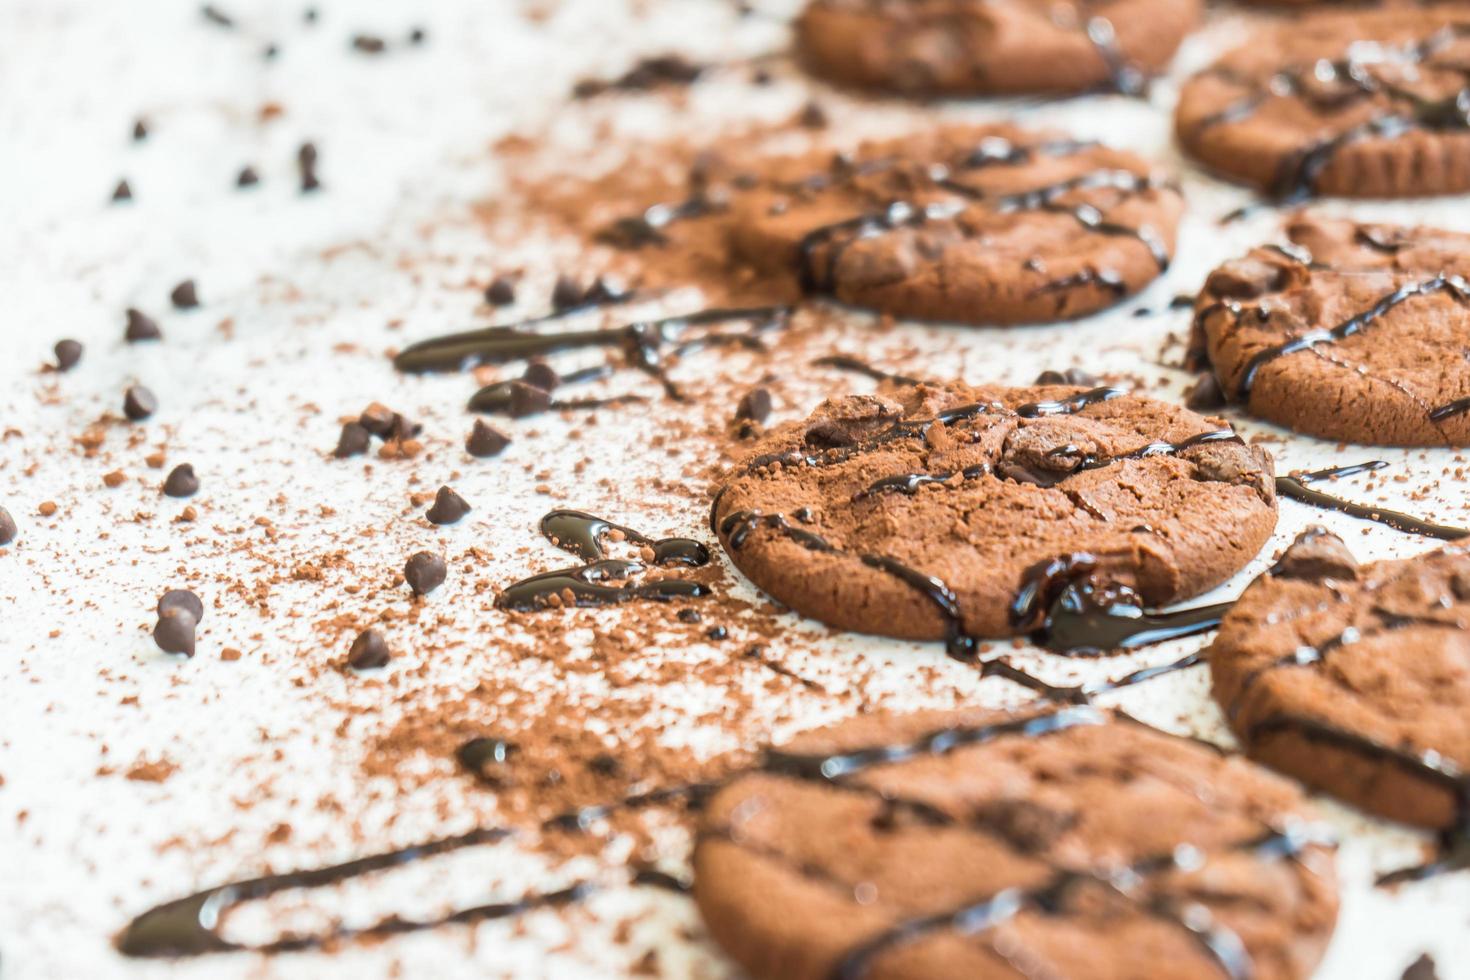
(1369, 103)
(955, 512)
(983, 844)
(1355, 679)
(1355, 332)
(979, 225)
(968, 47)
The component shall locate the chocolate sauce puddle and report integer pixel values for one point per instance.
(602, 581)
(1298, 487)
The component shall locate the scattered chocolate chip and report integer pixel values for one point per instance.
(181, 481)
(141, 327)
(122, 192)
(368, 44)
(479, 754)
(139, 403)
(181, 599)
(369, 651)
(217, 16)
(424, 572)
(755, 405)
(354, 441)
(417, 36)
(485, 440)
(140, 130)
(690, 616)
(526, 399)
(377, 418)
(1206, 393)
(542, 375)
(8, 530)
(1317, 554)
(717, 633)
(185, 295)
(501, 291)
(1423, 968)
(604, 764)
(812, 116)
(566, 294)
(310, 15)
(247, 177)
(306, 159)
(68, 353)
(1071, 376)
(270, 52)
(175, 632)
(448, 507)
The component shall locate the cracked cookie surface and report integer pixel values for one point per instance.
(1355, 678)
(984, 844)
(919, 512)
(1358, 332)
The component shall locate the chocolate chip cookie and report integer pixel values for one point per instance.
(966, 47)
(991, 225)
(980, 844)
(1357, 332)
(1355, 678)
(952, 512)
(1367, 103)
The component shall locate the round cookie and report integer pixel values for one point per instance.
(1355, 332)
(981, 225)
(981, 844)
(951, 512)
(968, 47)
(1359, 104)
(1355, 679)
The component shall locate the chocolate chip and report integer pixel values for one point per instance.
(527, 399)
(755, 405)
(354, 441)
(566, 294)
(270, 52)
(377, 418)
(140, 130)
(1423, 968)
(1206, 393)
(247, 178)
(306, 158)
(8, 530)
(717, 633)
(181, 481)
(479, 754)
(68, 353)
(174, 632)
(181, 599)
(448, 507)
(139, 403)
(812, 116)
(485, 440)
(604, 764)
(369, 651)
(424, 572)
(690, 616)
(122, 192)
(542, 375)
(368, 44)
(185, 296)
(140, 327)
(417, 36)
(1315, 555)
(1071, 376)
(501, 291)
(217, 16)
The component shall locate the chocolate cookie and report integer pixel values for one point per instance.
(1353, 332)
(1355, 678)
(974, 225)
(980, 844)
(956, 512)
(1358, 104)
(967, 47)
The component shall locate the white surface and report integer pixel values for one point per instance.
(405, 142)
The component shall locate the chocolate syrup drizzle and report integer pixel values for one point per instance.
(1298, 177)
(190, 926)
(592, 583)
(1297, 487)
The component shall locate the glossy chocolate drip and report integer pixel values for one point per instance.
(1105, 279)
(504, 344)
(1454, 285)
(843, 362)
(1071, 405)
(1087, 620)
(909, 484)
(1084, 693)
(499, 398)
(596, 582)
(1073, 461)
(641, 230)
(1297, 488)
(1449, 410)
(1126, 76)
(838, 236)
(957, 642)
